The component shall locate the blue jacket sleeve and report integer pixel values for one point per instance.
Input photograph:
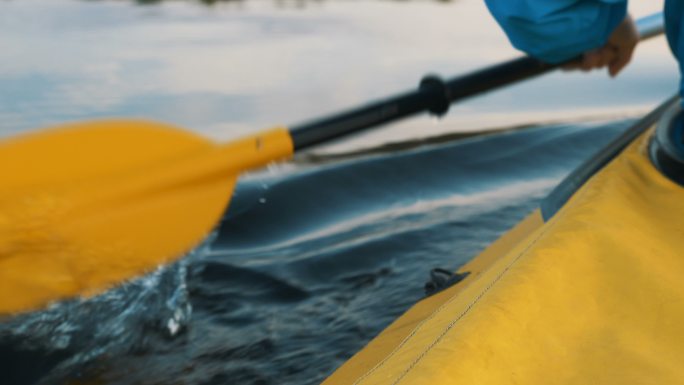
(557, 30)
(674, 27)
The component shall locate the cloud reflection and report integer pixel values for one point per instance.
(237, 67)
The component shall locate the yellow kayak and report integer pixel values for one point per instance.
(588, 289)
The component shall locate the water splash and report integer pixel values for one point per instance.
(120, 320)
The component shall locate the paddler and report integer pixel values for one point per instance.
(600, 31)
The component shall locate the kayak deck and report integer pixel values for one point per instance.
(594, 295)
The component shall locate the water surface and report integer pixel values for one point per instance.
(314, 257)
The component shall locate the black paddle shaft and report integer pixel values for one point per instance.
(434, 95)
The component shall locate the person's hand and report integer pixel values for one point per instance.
(615, 54)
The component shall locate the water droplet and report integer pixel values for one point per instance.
(262, 200)
(173, 325)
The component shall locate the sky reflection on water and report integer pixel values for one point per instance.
(237, 67)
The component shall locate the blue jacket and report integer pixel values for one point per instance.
(674, 15)
(557, 30)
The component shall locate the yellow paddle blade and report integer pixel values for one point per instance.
(86, 206)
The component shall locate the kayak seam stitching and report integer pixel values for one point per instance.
(550, 225)
(433, 314)
(408, 337)
(470, 306)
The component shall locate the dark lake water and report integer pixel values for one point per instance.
(314, 257)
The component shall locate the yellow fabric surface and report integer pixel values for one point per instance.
(85, 206)
(397, 332)
(595, 296)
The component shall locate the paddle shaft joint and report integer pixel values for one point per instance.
(433, 95)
